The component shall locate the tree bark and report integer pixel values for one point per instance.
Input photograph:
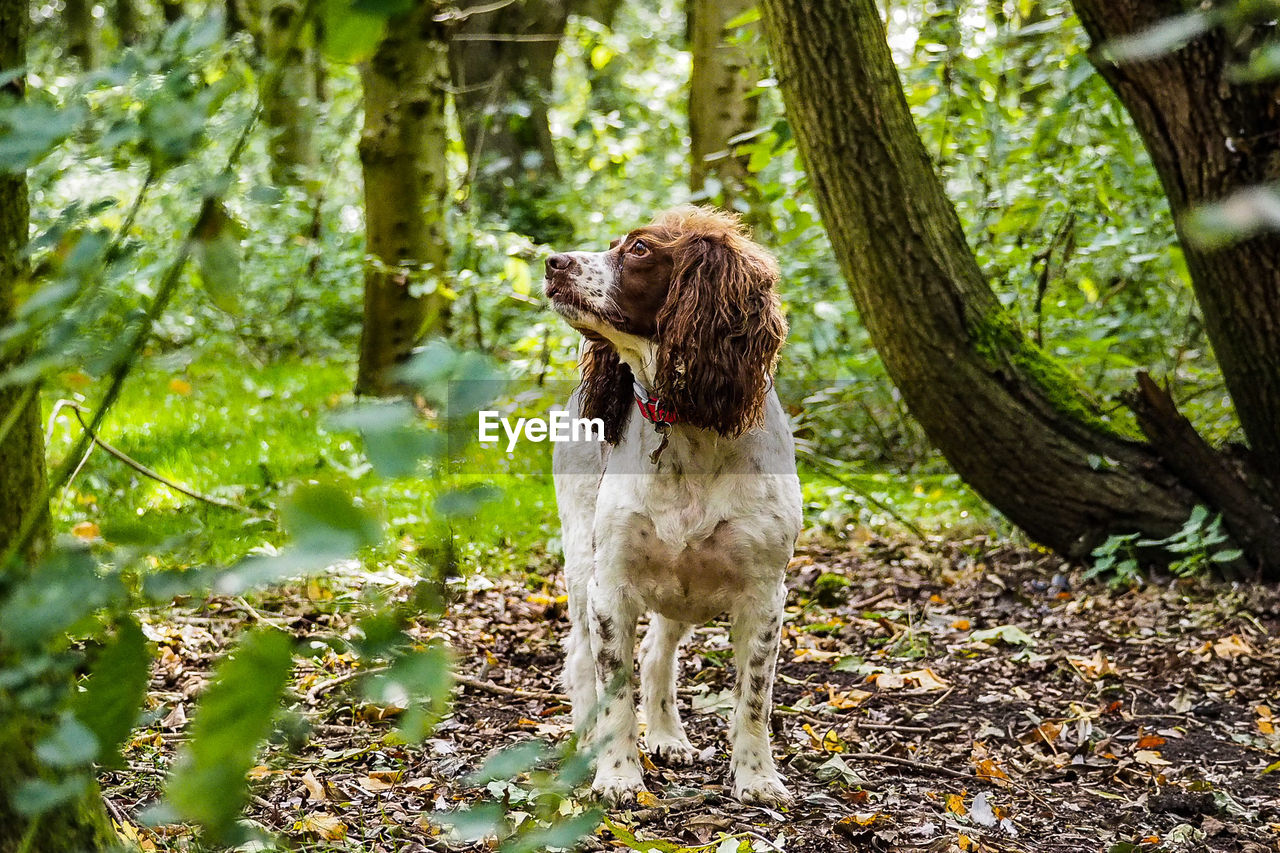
(1010, 420)
(1208, 139)
(83, 824)
(722, 78)
(81, 34)
(126, 22)
(172, 10)
(289, 104)
(406, 190)
(502, 63)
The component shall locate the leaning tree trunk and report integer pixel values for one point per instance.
(125, 18)
(82, 824)
(722, 78)
(288, 105)
(406, 192)
(1208, 139)
(1009, 420)
(502, 62)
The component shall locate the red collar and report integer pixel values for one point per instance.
(652, 409)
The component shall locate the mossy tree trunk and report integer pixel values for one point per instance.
(406, 192)
(288, 105)
(83, 824)
(81, 33)
(723, 77)
(1011, 421)
(1210, 138)
(502, 62)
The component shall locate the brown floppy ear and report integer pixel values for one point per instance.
(606, 388)
(719, 332)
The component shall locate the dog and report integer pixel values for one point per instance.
(690, 507)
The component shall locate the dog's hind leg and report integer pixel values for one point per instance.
(664, 735)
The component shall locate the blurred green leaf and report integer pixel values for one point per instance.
(352, 31)
(510, 762)
(114, 691)
(30, 130)
(208, 783)
(70, 744)
(1165, 37)
(37, 796)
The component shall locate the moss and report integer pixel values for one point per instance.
(830, 589)
(997, 338)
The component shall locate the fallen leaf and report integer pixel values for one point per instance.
(180, 386)
(1151, 758)
(955, 805)
(1232, 647)
(86, 530)
(1150, 742)
(961, 624)
(1010, 635)
(325, 826)
(843, 699)
(314, 787)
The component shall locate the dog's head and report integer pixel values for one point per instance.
(690, 294)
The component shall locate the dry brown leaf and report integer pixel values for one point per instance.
(1151, 758)
(1150, 742)
(1232, 647)
(314, 787)
(843, 699)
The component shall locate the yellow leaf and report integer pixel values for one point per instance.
(955, 805)
(1150, 742)
(926, 679)
(1232, 647)
(86, 530)
(965, 843)
(987, 769)
(1151, 758)
(842, 699)
(325, 826)
(646, 799)
(180, 386)
(961, 624)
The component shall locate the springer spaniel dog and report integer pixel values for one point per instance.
(690, 507)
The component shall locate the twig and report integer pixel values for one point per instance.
(147, 472)
(458, 15)
(324, 687)
(504, 37)
(500, 690)
(912, 763)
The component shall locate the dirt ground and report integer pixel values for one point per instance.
(946, 696)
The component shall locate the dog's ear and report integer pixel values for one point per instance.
(606, 388)
(719, 332)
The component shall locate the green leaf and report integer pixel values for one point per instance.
(562, 834)
(414, 678)
(70, 744)
(29, 131)
(217, 251)
(1009, 634)
(208, 784)
(395, 440)
(62, 590)
(1169, 35)
(351, 33)
(114, 691)
(510, 762)
(459, 503)
(37, 796)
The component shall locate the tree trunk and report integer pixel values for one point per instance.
(1011, 421)
(83, 824)
(81, 35)
(126, 21)
(406, 190)
(172, 10)
(1208, 139)
(502, 63)
(289, 104)
(722, 78)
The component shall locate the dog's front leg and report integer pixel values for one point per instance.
(613, 636)
(755, 633)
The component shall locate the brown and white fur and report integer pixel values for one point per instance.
(687, 306)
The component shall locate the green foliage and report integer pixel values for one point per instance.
(1196, 547)
(234, 716)
(109, 701)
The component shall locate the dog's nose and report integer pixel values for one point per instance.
(559, 263)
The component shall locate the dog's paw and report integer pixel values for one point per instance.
(672, 751)
(617, 791)
(761, 790)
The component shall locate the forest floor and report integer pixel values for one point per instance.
(952, 696)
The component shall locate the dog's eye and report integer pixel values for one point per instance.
(638, 249)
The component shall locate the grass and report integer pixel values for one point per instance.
(248, 434)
